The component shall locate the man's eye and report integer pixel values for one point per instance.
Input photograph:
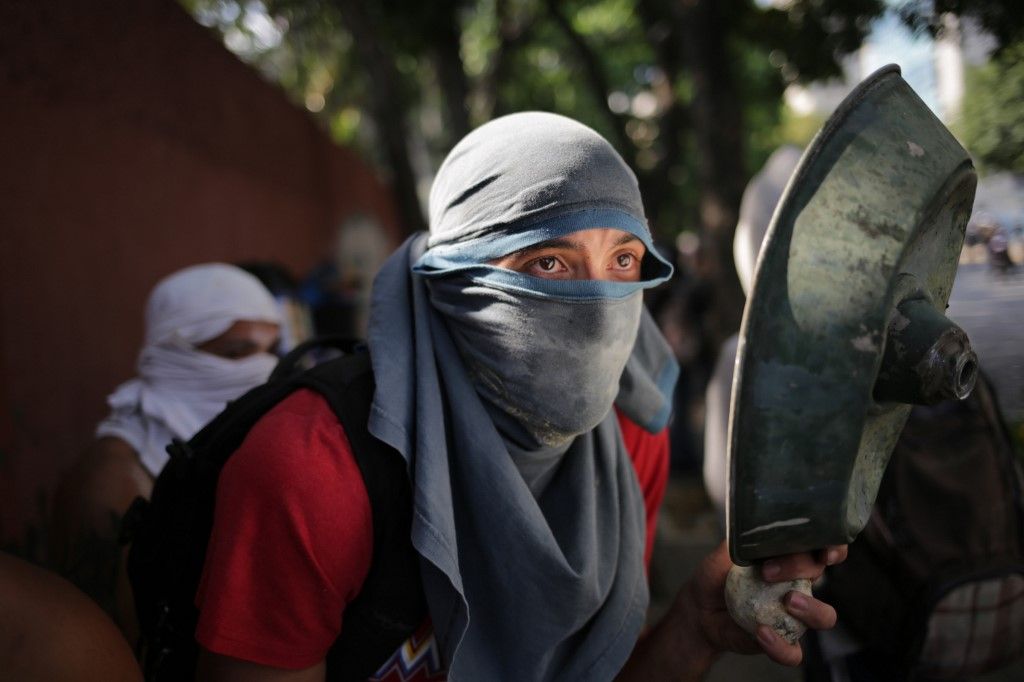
(547, 263)
(236, 352)
(625, 260)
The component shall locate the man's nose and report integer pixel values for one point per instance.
(593, 270)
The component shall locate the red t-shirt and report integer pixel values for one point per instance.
(293, 536)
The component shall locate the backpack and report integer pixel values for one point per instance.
(934, 585)
(169, 533)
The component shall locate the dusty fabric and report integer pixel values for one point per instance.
(178, 388)
(514, 347)
(528, 516)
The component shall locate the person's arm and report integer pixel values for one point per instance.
(698, 628)
(88, 508)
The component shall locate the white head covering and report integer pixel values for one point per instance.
(180, 388)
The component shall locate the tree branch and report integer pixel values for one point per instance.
(386, 103)
(596, 77)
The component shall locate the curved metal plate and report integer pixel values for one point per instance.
(877, 207)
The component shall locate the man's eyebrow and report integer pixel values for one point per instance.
(566, 243)
(557, 243)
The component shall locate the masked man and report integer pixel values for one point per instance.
(527, 390)
(209, 332)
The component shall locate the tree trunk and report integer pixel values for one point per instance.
(446, 41)
(662, 30)
(513, 31)
(596, 79)
(386, 103)
(717, 120)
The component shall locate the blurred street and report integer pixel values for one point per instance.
(989, 305)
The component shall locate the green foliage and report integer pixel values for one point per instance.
(798, 129)
(544, 71)
(1002, 19)
(624, 67)
(808, 37)
(991, 123)
(760, 92)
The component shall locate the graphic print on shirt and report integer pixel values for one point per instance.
(417, 660)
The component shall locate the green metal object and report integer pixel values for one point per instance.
(844, 326)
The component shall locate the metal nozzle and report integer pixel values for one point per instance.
(928, 359)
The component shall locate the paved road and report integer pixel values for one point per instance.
(990, 308)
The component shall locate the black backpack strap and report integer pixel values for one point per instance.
(391, 605)
(296, 359)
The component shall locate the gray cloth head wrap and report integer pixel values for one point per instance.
(497, 388)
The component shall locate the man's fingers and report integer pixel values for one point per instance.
(778, 649)
(802, 565)
(832, 555)
(792, 567)
(815, 614)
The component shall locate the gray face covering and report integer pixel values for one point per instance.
(515, 348)
(497, 388)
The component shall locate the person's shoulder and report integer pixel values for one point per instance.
(106, 476)
(111, 458)
(41, 613)
(648, 451)
(304, 404)
(301, 424)
(111, 448)
(637, 437)
(298, 445)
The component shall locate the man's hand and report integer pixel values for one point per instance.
(705, 595)
(698, 627)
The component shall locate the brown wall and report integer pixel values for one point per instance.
(132, 144)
